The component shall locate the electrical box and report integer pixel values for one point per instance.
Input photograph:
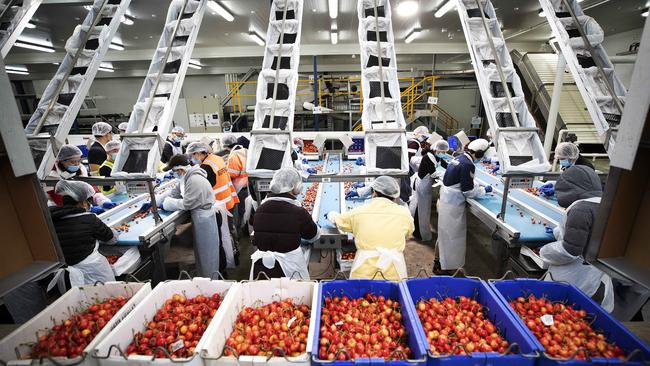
(204, 114)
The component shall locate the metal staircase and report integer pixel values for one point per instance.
(237, 86)
(579, 38)
(516, 137)
(57, 110)
(154, 109)
(14, 16)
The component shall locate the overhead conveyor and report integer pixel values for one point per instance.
(57, 110)
(515, 132)
(271, 140)
(382, 117)
(152, 115)
(14, 16)
(580, 40)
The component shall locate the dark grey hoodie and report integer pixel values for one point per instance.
(576, 183)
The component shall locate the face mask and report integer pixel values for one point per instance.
(196, 161)
(178, 139)
(440, 155)
(114, 156)
(72, 168)
(565, 163)
(178, 176)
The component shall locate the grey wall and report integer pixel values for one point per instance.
(619, 43)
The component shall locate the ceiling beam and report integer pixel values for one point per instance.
(256, 51)
(67, 2)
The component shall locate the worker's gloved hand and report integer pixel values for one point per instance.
(496, 168)
(358, 185)
(312, 171)
(361, 161)
(549, 230)
(487, 160)
(488, 189)
(145, 207)
(169, 175)
(97, 210)
(331, 217)
(352, 194)
(108, 205)
(547, 189)
(305, 161)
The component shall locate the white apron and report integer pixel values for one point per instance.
(565, 267)
(424, 196)
(94, 268)
(452, 227)
(226, 239)
(293, 263)
(206, 240)
(176, 150)
(386, 258)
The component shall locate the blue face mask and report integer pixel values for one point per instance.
(440, 155)
(196, 161)
(565, 163)
(114, 157)
(178, 139)
(72, 168)
(178, 176)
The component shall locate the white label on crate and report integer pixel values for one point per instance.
(547, 319)
(291, 322)
(179, 344)
(338, 324)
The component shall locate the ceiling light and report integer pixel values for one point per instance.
(257, 38)
(34, 46)
(413, 35)
(449, 5)
(407, 8)
(127, 19)
(645, 13)
(30, 25)
(334, 36)
(88, 7)
(22, 68)
(221, 10)
(195, 64)
(116, 46)
(334, 8)
(106, 67)
(17, 72)
(541, 13)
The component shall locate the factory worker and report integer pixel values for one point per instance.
(122, 127)
(414, 146)
(579, 191)
(420, 204)
(194, 193)
(79, 232)
(105, 170)
(280, 224)
(298, 158)
(236, 163)
(103, 133)
(458, 185)
(380, 230)
(68, 166)
(424, 145)
(173, 144)
(568, 154)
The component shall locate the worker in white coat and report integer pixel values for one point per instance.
(579, 191)
(380, 230)
(458, 185)
(194, 193)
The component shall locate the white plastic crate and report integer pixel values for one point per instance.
(107, 352)
(257, 293)
(18, 342)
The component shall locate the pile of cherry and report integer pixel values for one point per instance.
(310, 197)
(177, 327)
(70, 337)
(369, 326)
(277, 329)
(458, 326)
(563, 331)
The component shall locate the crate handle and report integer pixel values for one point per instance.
(509, 274)
(282, 353)
(108, 354)
(56, 363)
(375, 276)
(132, 277)
(452, 353)
(218, 277)
(260, 273)
(400, 351)
(99, 283)
(633, 354)
(184, 272)
(573, 355)
(169, 356)
(341, 275)
(296, 278)
(460, 273)
(420, 272)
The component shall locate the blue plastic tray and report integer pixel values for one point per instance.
(358, 288)
(445, 286)
(614, 331)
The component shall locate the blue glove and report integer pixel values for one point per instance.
(305, 161)
(361, 161)
(169, 175)
(487, 160)
(352, 194)
(108, 205)
(145, 207)
(549, 230)
(547, 185)
(358, 185)
(495, 169)
(312, 171)
(547, 189)
(97, 210)
(488, 189)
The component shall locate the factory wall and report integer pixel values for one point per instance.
(619, 43)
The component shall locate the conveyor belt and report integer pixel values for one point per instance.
(330, 197)
(350, 167)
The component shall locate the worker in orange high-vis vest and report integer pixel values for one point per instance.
(236, 163)
(224, 190)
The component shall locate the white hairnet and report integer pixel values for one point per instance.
(68, 152)
(422, 130)
(479, 145)
(196, 147)
(178, 130)
(123, 126)
(567, 150)
(228, 140)
(77, 190)
(101, 129)
(441, 145)
(286, 180)
(386, 185)
(298, 142)
(112, 145)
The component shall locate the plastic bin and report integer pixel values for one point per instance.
(110, 350)
(60, 310)
(358, 288)
(445, 286)
(257, 293)
(614, 331)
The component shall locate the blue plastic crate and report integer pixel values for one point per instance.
(614, 331)
(445, 286)
(84, 150)
(358, 288)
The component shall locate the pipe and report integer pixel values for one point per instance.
(555, 105)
